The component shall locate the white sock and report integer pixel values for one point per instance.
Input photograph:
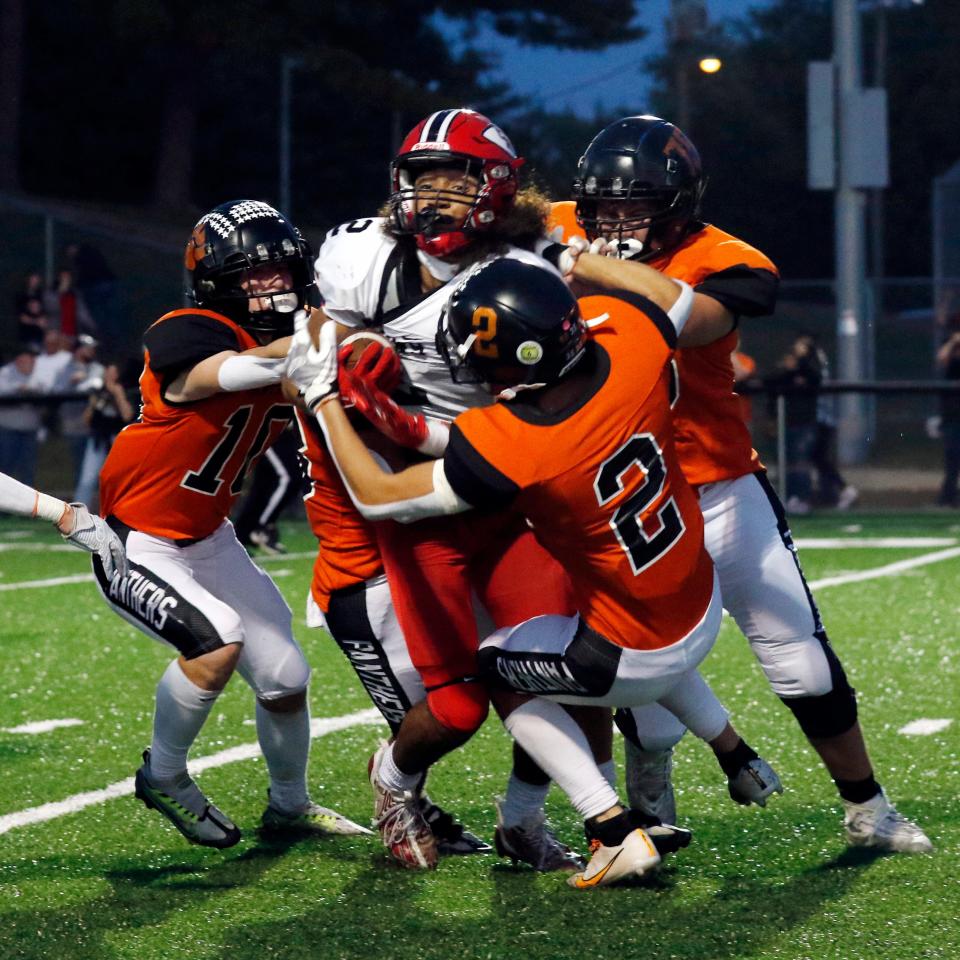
(393, 778)
(609, 770)
(522, 800)
(285, 741)
(182, 708)
(551, 736)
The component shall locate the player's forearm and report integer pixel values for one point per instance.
(368, 483)
(709, 320)
(23, 501)
(610, 273)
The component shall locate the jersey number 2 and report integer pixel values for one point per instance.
(643, 549)
(210, 477)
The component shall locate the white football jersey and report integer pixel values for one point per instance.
(367, 280)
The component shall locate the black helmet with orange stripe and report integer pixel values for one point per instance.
(510, 323)
(242, 237)
(639, 173)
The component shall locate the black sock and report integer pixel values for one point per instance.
(736, 759)
(612, 832)
(857, 791)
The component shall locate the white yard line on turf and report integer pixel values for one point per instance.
(924, 727)
(43, 726)
(88, 577)
(50, 811)
(840, 543)
(890, 570)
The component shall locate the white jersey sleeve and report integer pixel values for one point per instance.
(16, 497)
(349, 268)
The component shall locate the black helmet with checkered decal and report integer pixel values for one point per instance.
(228, 242)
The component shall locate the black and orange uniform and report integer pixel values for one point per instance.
(348, 552)
(599, 481)
(177, 471)
(713, 442)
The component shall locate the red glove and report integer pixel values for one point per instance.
(378, 365)
(403, 428)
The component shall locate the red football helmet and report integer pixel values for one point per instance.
(450, 138)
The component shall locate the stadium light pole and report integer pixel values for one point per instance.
(849, 213)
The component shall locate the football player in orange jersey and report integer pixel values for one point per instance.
(580, 442)
(212, 403)
(636, 197)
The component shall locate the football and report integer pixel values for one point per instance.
(359, 342)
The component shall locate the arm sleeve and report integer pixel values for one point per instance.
(182, 342)
(16, 497)
(473, 478)
(745, 291)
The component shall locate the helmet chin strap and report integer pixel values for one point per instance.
(441, 269)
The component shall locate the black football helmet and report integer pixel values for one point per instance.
(510, 323)
(645, 160)
(231, 240)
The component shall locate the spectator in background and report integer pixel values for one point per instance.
(948, 362)
(52, 361)
(832, 489)
(108, 412)
(799, 368)
(97, 285)
(82, 375)
(32, 319)
(65, 307)
(19, 423)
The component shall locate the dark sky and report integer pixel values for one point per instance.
(611, 77)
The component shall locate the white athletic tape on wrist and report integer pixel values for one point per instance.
(49, 508)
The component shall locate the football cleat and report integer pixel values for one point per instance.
(400, 820)
(649, 785)
(754, 782)
(666, 837)
(634, 857)
(182, 803)
(267, 540)
(877, 823)
(534, 843)
(453, 839)
(311, 820)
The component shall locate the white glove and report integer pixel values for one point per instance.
(314, 371)
(92, 533)
(568, 258)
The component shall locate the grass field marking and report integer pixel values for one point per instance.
(50, 811)
(841, 543)
(43, 726)
(924, 727)
(890, 570)
(52, 582)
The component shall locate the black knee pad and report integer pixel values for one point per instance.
(829, 714)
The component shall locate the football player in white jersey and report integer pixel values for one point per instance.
(73, 521)
(455, 200)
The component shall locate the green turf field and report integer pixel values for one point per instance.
(114, 880)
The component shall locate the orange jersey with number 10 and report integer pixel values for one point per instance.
(713, 442)
(177, 471)
(600, 482)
